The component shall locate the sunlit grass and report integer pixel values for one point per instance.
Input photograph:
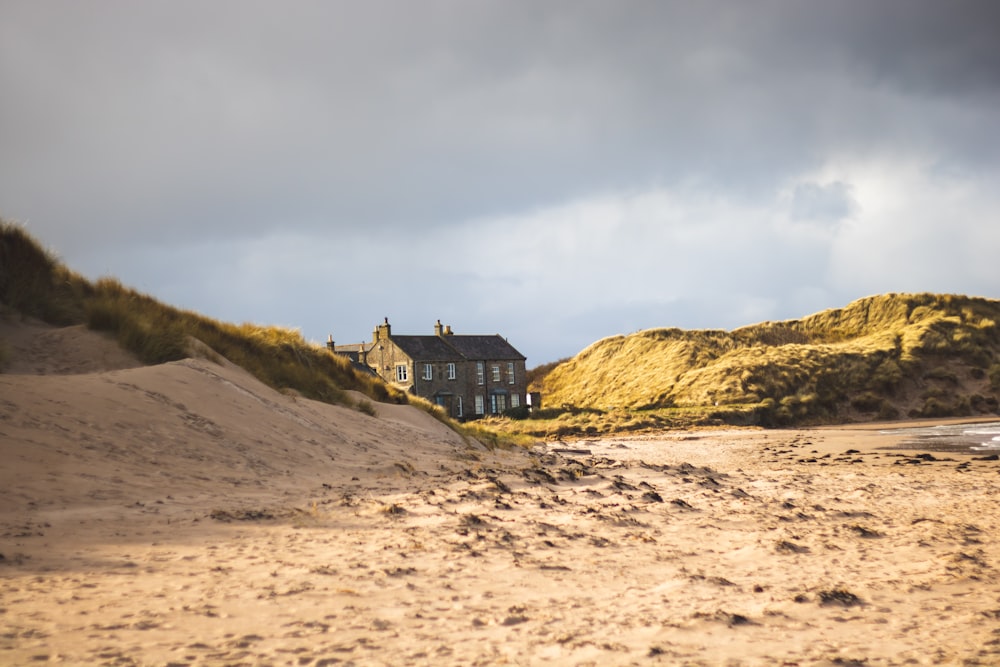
(870, 360)
(485, 431)
(496, 433)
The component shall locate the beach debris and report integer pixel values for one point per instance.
(393, 509)
(500, 484)
(571, 450)
(787, 547)
(241, 515)
(862, 531)
(399, 571)
(515, 615)
(404, 467)
(840, 597)
(538, 475)
(621, 485)
(726, 617)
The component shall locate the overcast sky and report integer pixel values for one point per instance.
(555, 172)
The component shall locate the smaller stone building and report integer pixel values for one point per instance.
(470, 376)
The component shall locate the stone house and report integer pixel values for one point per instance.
(469, 376)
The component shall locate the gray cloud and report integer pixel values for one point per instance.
(562, 167)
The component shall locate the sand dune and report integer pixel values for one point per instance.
(185, 514)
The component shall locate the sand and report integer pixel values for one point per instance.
(185, 514)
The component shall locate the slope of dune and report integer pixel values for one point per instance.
(888, 356)
(83, 420)
(36, 348)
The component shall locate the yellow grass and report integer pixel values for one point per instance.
(875, 358)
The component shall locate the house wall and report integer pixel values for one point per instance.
(385, 356)
(442, 390)
(491, 387)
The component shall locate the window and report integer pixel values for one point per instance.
(496, 373)
(510, 373)
(515, 400)
(498, 403)
(428, 372)
(480, 375)
(451, 371)
(460, 407)
(479, 404)
(401, 373)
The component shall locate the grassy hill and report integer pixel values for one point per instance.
(34, 283)
(882, 357)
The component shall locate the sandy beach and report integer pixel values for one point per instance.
(186, 514)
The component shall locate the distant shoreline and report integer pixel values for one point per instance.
(904, 423)
(868, 437)
(873, 428)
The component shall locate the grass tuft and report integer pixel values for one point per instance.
(33, 281)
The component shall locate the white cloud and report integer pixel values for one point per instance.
(918, 229)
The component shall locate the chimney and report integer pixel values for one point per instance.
(329, 343)
(438, 329)
(447, 330)
(382, 331)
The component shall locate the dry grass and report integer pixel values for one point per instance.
(483, 431)
(878, 358)
(495, 433)
(34, 283)
(278, 356)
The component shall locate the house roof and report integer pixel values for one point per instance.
(483, 347)
(353, 348)
(444, 347)
(427, 348)
(456, 348)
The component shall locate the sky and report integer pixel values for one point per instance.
(555, 172)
